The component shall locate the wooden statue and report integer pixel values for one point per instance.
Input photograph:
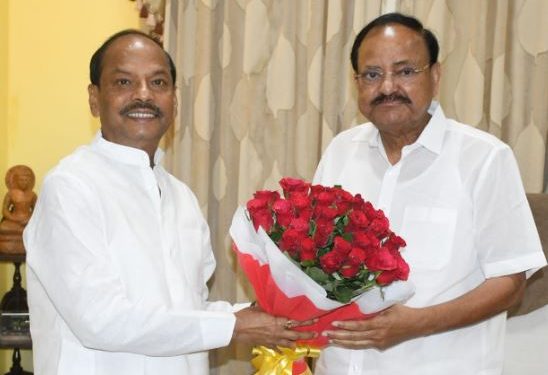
(17, 208)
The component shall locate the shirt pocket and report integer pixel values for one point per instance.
(428, 232)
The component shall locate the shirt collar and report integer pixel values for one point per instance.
(124, 154)
(431, 137)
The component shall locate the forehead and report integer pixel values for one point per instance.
(134, 51)
(391, 44)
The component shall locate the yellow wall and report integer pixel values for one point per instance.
(45, 48)
(3, 91)
(4, 28)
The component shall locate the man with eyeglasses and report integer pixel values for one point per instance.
(452, 192)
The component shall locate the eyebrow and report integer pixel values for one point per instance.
(402, 62)
(154, 73)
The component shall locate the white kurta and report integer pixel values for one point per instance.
(457, 199)
(118, 257)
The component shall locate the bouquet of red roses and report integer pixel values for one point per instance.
(319, 252)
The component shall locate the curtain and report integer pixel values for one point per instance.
(494, 56)
(264, 85)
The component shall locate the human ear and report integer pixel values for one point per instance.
(435, 75)
(93, 100)
(175, 106)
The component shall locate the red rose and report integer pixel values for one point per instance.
(357, 256)
(365, 240)
(325, 198)
(268, 195)
(308, 250)
(357, 219)
(403, 268)
(300, 225)
(380, 226)
(344, 201)
(293, 185)
(284, 220)
(395, 242)
(358, 203)
(349, 270)
(282, 207)
(369, 210)
(317, 189)
(381, 259)
(331, 262)
(379, 214)
(401, 272)
(324, 229)
(300, 201)
(341, 245)
(361, 239)
(325, 212)
(290, 241)
(284, 212)
(263, 219)
(257, 204)
(305, 214)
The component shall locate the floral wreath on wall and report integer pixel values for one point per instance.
(151, 17)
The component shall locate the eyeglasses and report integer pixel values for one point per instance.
(405, 74)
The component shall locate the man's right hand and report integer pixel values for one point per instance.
(258, 328)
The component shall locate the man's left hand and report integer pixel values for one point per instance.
(390, 327)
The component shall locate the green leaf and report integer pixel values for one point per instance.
(343, 294)
(317, 275)
(323, 250)
(313, 228)
(276, 236)
(347, 236)
(329, 288)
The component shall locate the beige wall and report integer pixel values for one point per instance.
(45, 48)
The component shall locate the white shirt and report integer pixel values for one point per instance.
(457, 199)
(118, 257)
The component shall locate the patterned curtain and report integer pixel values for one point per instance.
(264, 85)
(494, 55)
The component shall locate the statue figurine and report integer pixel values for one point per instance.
(17, 208)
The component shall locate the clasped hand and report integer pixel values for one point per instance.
(256, 327)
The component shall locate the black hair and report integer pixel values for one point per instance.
(96, 62)
(407, 21)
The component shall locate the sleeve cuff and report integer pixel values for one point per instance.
(529, 263)
(218, 330)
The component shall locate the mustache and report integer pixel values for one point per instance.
(382, 98)
(141, 105)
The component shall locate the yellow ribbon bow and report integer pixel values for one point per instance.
(271, 362)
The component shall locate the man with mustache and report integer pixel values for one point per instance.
(118, 251)
(452, 192)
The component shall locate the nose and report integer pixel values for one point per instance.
(142, 91)
(387, 84)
